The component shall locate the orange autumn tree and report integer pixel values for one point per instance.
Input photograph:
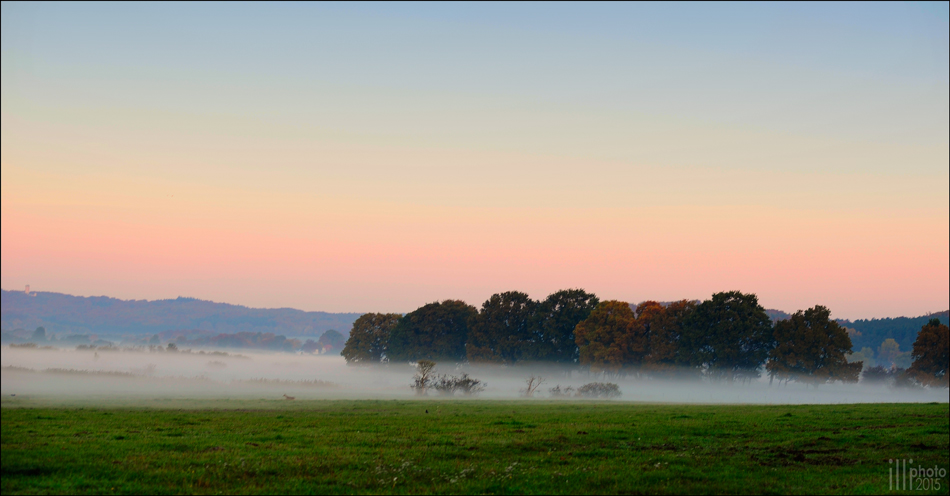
(607, 339)
(617, 338)
(664, 329)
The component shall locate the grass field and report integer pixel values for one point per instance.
(497, 447)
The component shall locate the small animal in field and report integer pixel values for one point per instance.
(291, 398)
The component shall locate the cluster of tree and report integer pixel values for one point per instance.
(511, 327)
(329, 341)
(730, 336)
(246, 340)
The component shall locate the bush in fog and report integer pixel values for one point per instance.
(599, 390)
(448, 385)
(905, 380)
(894, 377)
(557, 392)
(876, 375)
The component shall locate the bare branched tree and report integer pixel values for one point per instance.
(531, 385)
(423, 378)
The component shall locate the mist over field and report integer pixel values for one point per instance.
(131, 377)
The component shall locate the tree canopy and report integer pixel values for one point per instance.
(931, 354)
(663, 327)
(604, 338)
(502, 330)
(810, 347)
(369, 338)
(436, 331)
(729, 335)
(552, 330)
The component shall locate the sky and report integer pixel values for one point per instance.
(377, 157)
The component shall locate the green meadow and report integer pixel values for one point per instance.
(464, 446)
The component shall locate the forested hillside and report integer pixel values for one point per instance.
(873, 332)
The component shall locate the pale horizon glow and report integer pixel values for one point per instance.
(377, 157)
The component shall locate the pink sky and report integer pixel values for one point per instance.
(359, 254)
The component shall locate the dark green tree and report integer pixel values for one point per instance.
(502, 330)
(729, 336)
(552, 331)
(930, 354)
(436, 331)
(812, 348)
(369, 338)
(39, 335)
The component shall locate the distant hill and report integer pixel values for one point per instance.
(63, 314)
(777, 315)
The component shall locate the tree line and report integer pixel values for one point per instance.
(728, 337)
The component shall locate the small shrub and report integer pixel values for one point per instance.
(876, 375)
(24, 345)
(469, 386)
(904, 380)
(599, 390)
(557, 392)
(447, 385)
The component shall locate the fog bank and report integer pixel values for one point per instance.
(114, 375)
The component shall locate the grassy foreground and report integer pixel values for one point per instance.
(501, 447)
